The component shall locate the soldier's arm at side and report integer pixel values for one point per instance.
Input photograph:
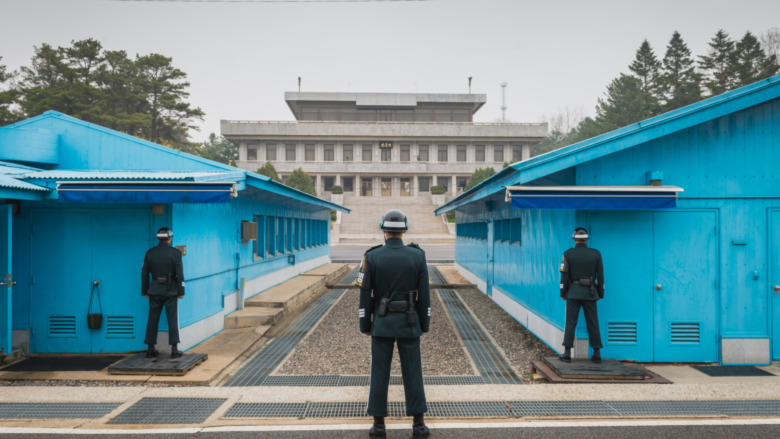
(424, 297)
(564, 286)
(145, 277)
(365, 307)
(600, 275)
(179, 273)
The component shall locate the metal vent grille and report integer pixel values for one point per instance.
(621, 332)
(119, 327)
(685, 332)
(62, 326)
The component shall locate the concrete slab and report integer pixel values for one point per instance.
(288, 295)
(328, 270)
(254, 316)
(164, 364)
(452, 275)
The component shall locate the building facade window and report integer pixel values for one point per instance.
(289, 153)
(423, 153)
(348, 183)
(498, 153)
(348, 153)
(405, 152)
(443, 182)
(461, 182)
(328, 182)
(425, 184)
(443, 153)
(479, 153)
(367, 152)
(406, 186)
(308, 152)
(461, 153)
(387, 154)
(251, 152)
(329, 153)
(517, 153)
(270, 152)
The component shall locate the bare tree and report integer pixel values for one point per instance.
(770, 41)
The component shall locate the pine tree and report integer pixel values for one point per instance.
(679, 79)
(219, 149)
(719, 64)
(646, 67)
(479, 176)
(269, 171)
(626, 102)
(751, 63)
(7, 97)
(301, 181)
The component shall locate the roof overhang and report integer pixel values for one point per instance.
(145, 192)
(593, 197)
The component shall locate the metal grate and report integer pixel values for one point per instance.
(561, 408)
(685, 332)
(62, 326)
(169, 411)
(267, 410)
(302, 380)
(119, 327)
(621, 332)
(491, 365)
(362, 380)
(56, 410)
(476, 409)
(258, 368)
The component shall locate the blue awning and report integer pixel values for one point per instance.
(593, 197)
(145, 192)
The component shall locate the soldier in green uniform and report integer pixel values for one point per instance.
(582, 285)
(395, 308)
(163, 264)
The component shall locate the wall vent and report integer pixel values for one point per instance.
(62, 326)
(685, 333)
(119, 327)
(248, 231)
(621, 332)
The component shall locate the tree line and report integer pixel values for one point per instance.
(144, 96)
(655, 86)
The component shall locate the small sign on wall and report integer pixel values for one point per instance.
(182, 249)
(385, 145)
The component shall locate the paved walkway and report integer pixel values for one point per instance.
(200, 402)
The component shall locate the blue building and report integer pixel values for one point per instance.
(685, 208)
(82, 203)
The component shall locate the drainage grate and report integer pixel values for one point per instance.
(258, 369)
(664, 408)
(561, 408)
(362, 380)
(733, 371)
(302, 380)
(491, 365)
(477, 409)
(56, 410)
(169, 411)
(748, 408)
(267, 410)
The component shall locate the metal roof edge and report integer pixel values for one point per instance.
(266, 183)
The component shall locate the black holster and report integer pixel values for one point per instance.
(169, 282)
(410, 308)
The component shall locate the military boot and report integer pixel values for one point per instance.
(566, 355)
(175, 352)
(151, 352)
(378, 429)
(419, 429)
(596, 357)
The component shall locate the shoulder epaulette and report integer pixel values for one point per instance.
(374, 247)
(415, 245)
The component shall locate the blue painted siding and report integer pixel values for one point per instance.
(30, 146)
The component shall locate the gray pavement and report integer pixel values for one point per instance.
(434, 253)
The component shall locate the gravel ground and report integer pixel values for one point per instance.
(519, 345)
(336, 347)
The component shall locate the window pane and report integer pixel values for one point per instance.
(387, 155)
(405, 152)
(498, 153)
(517, 153)
(366, 154)
(423, 153)
(425, 184)
(251, 152)
(328, 182)
(309, 153)
(443, 181)
(461, 153)
(348, 155)
(348, 183)
(479, 153)
(270, 152)
(442, 153)
(289, 153)
(329, 156)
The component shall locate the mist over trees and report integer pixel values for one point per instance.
(657, 85)
(144, 96)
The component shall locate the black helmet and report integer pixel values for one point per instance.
(164, 233)
(579, 233)
(394, 221)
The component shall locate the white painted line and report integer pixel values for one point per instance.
(403, 426)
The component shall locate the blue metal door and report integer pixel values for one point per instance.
(491, 230)
(625, 240)
(686, 292)
(70, 250)
(774, 280)
(6, 305)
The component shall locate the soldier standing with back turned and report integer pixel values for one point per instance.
(395, 308)
(582, 285)
(163, 264)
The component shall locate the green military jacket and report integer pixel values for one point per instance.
(384, 271)
(159, 263)
(582, 262)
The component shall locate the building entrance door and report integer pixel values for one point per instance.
(71, 249)
(387, 187)
(774, 279)
(366, 187)
(406, 187)
(685, 289)
(6, 271)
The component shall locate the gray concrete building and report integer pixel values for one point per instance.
(382, 144)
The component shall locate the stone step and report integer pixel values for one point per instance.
(254, 316)
(294, 293)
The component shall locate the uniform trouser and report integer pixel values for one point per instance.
(591, 320)
(411, 371)
(156, 304)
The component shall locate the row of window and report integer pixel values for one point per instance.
(405, 183)
(382, 115)
(277, 235)
(507, 231)
(424, 152)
